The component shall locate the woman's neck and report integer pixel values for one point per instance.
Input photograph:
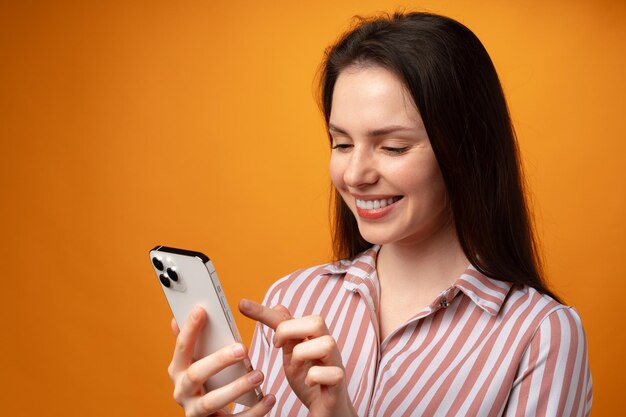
(411, 276)
(427, 266)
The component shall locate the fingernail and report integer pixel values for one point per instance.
(269, 400)
(238, 351)
(255, 377)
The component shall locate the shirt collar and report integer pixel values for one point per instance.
(488, 293)
(360, 274)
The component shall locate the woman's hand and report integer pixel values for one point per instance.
(189, 376)
(311, 359)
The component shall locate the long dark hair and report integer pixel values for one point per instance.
(458, 94)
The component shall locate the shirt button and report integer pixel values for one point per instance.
(444, 303)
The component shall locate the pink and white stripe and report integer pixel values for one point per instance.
(495, 350)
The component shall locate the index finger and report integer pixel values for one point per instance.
(186, 339)
(271, 317)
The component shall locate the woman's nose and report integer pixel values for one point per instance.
(360, 169)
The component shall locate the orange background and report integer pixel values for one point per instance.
(192, 124)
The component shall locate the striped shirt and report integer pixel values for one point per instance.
(483, 347)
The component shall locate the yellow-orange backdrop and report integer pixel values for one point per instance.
(192, 123)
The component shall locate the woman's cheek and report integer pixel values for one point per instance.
(336, 173)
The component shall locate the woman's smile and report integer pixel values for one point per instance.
(373, 208)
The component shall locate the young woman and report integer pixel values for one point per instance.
(438, 307)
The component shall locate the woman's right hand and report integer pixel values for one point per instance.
(189, 376)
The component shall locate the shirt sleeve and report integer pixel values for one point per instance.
(554, 377)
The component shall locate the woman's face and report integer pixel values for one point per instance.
(382, 162)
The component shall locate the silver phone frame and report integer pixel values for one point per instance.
(198, 284)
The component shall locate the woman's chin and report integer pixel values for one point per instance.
(377, 238)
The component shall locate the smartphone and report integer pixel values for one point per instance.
(188, 278)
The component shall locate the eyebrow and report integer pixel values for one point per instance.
(376, 132)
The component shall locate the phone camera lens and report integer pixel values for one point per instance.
(157, 263)
(165, 280)
(171, 272)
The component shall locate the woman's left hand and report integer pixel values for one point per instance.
(311, 359)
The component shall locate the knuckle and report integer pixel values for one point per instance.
(178, 396)
(280, 327)
(226, 355)
(242, 385)
(279, 333)
(181, 345)
(193, 375)
(312, 374)
(284, 311)
(207, 403)
(262, 408)
(328, 342)
(318, 322)
(171, 370)
(296, 353)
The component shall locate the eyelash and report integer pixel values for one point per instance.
(389, 149)
(397, 151)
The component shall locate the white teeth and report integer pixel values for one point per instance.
(375, 204)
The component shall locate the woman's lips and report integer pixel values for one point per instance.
(373, 209)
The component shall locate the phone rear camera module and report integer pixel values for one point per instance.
(165, 280)
(171, 272)
(158, 264)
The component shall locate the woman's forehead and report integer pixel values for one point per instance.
(370, 97)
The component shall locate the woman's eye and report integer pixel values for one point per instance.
(397, 151)
(341, 146)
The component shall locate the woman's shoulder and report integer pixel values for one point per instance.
(556, 350)
(543, 314)
(315, 280)
(301, 282)
(521, 311)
